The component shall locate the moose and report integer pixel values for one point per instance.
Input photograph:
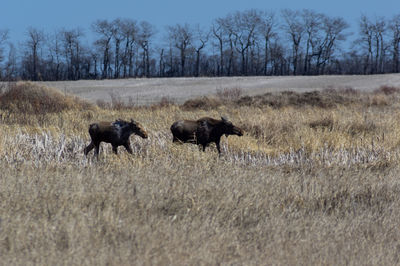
(203, 131)
(117, 133)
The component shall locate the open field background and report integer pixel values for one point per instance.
(314, 180)
(144, 91)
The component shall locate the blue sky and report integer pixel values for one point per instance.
(50, 15)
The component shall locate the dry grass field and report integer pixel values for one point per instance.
(314, 180)
(146, 91)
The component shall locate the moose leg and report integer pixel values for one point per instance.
(97, 149)
(115, 149)
(218, 147)
(179, 141)
(127, 146)
(204, 147)
(88, 148)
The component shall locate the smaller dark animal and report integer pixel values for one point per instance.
(203, 131)
(117, 133)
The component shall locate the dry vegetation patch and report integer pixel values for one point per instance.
(325, 99)
(31, 98)
(314, 180)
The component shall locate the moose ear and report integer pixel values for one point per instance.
(133, 121)
(224, 119)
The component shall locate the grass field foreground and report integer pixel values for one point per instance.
(314, 180)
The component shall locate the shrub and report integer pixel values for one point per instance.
(116, 101)
(387, 90)
(349, 91)
(324, 123)
(343, 90)
(204, 103)
(378, 100)
(229, 94)
(31, 98)
(290, 98)
(103, 104)
(365, 127)
(165, 101)
(253, 130)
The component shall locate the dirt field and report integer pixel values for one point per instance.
(144, 91)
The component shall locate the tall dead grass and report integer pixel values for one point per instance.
(307, 184)
(27, 97)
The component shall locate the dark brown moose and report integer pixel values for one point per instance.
(117, 133)
(203, 131)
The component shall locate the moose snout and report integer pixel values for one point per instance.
(238, 131)
(144, 135)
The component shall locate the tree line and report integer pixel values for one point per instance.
(250, 42)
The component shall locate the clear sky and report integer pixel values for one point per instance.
(50, 15)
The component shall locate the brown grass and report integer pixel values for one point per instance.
(27, 97)
(326, 99)
(229, 94)
(307, 184)
(387, 90)
(203, 103)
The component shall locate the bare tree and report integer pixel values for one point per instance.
(228, 24)
(55, 56)
(172, 61)
(71, 40)
(295, 29)
(181, 37)
(118, 37)
(200, 38)
(312, 25)
(218, 31)
(378, 29)
(245, 24)
(3, 39)
(129, 30)
(34, 44)
(10, 67)
(372, 39)
(332, 30)
(267, 30)
(394, 27)
(145, 34)
(94, 56)
(249, 42)
(366, 35)
(161, 63)
(105, 30)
